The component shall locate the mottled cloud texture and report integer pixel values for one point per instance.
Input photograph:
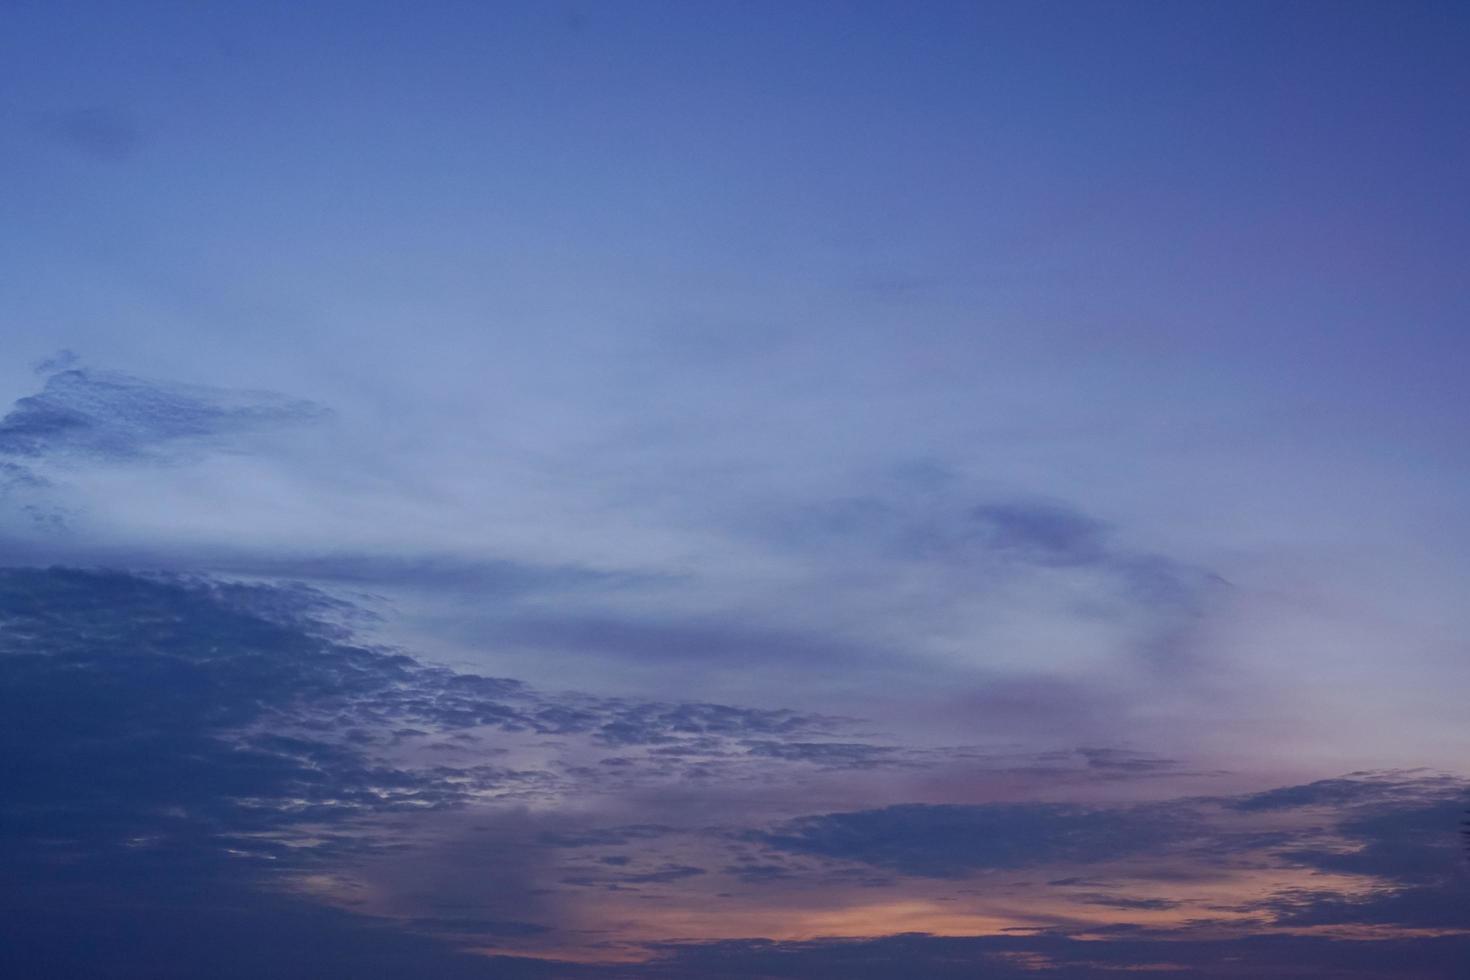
(173, 735)
(112, 416)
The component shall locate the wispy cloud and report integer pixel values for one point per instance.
(114, 416)
(107, 133)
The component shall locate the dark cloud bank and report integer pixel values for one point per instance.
(179, 743)
(176, 748)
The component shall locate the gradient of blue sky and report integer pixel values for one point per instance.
(1066, 396)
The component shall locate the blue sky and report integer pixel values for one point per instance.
(861, 445)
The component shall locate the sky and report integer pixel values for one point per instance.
(758, 490)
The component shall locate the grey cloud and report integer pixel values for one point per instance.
(670, 872)
(753, 872)
(15, 476)
(175, 730)
(951, 840)
(1354, 789)
(1057, 956)
(244, 709)
(1051, 534)
(468, 925)
(649, 722)
(843, 755)
(241, 935)
(718, 643)
(99, 132)
(460, 577)
(437, 572)
(1124, 902)
(27, 492)
(605, 837)
(1125, 760)
(110, 415)
(1026, 530)
(1040, 531)
(1400, 829)
(1402, 832)
(662, 875)
(170, 734)
(976, 547)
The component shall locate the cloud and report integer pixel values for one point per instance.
(1051, 534)
(240, 934)
(1125, 760)
(468, 925)
(1397, 829)
(712, 642)
(1124, 902)
(1400, 833)
(847, 755)
(1042, 532)
(482, 577)
(663, 875)
(167, 733)
(132, 704)
(1016, 532)
(1057, 956)
(99, 132)
(113, 416)
(606, 836)
(951, 840)
(188, 745)
(172, 736)
(162, 708)
(1355, 790)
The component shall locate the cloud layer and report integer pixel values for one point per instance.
(174, 735)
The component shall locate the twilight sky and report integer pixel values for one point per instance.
(753, 490)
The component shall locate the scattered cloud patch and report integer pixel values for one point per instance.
(1042, 532)
(99, 132)
(951, 840)
(114, 416)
